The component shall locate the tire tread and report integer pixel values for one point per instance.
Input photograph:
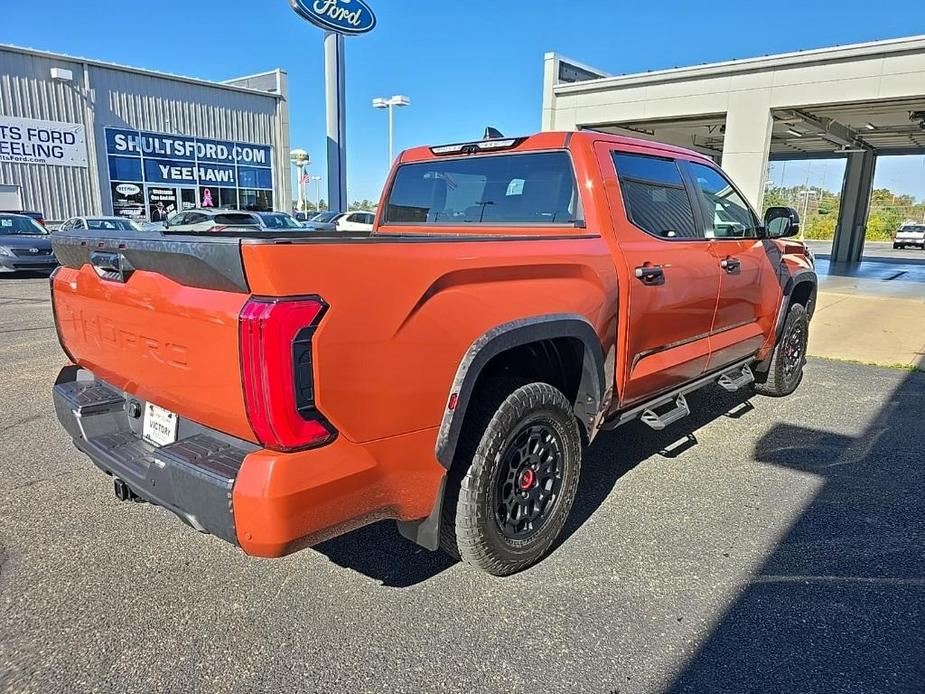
(499, 408)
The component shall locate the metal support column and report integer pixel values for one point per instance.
(848, 246)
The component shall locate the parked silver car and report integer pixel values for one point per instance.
(24, 245)
(100, 223)
(325, 221)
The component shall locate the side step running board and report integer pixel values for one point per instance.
(737, 378)
(660, 421)
(736, 374)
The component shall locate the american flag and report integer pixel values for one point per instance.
(303, 178)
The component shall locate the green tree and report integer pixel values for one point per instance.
(819, 209)
(363, 204)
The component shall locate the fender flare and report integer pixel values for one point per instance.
(517, 333)
(589, 401)
(799, 277)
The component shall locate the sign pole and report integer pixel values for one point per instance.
(336, 17)
(336, 120)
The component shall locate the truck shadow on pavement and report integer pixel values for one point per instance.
(378, 551)
(839, 603)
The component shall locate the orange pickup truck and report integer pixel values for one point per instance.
(515, 297)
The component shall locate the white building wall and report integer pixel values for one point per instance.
(745, 91)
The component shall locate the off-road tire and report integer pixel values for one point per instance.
(470, 529)
(786, 370)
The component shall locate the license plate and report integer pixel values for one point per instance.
(160, 426)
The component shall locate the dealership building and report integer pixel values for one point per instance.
(83, 137)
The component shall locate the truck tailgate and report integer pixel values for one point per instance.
(154, 336)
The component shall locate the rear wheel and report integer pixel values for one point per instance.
(513, 484)
(786, 370)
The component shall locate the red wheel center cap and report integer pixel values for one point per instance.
(527, 478)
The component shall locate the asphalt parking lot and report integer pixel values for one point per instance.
(779, 547)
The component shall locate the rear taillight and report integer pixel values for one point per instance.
(276, 368)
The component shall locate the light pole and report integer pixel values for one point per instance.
(317, 180)
(397, 100)
(805, 195)
(299, 158)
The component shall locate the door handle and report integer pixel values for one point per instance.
(730, 264)
(650, 274)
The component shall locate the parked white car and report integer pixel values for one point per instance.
(356, 221)
(910, 235)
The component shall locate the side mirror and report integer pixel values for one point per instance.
(781, 222)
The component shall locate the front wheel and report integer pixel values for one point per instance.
(786, 369)
(514, 483)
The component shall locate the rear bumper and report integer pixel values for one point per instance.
(193, 477)
(268, 503)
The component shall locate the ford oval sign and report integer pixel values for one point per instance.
(341, 16)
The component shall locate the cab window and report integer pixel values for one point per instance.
(728, 216)
(500, 189)
(654, 195)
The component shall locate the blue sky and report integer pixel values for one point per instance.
(465, 64)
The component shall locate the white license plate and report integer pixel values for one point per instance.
(160, 425)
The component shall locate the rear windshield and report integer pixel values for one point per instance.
(914, 229)
(235, 219)
(529, 188)
(15, 224)
(279, 220)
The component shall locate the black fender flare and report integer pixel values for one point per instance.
(802, 276)
(588, 405)
(797, 278)
(516, 333)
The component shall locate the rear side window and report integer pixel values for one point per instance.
(236, 219)
(654, 195)
(529, 188)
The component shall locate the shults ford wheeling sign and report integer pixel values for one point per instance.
(341, 16)
(29, 141)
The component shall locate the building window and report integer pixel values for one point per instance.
(220, 198)
(185, 172)
(124, 169)
(249, 177)
(128, 200)
(257, 200)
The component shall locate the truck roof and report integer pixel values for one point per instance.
(552, 140)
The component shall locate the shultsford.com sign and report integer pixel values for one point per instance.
(341, 16)
(30, 141)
